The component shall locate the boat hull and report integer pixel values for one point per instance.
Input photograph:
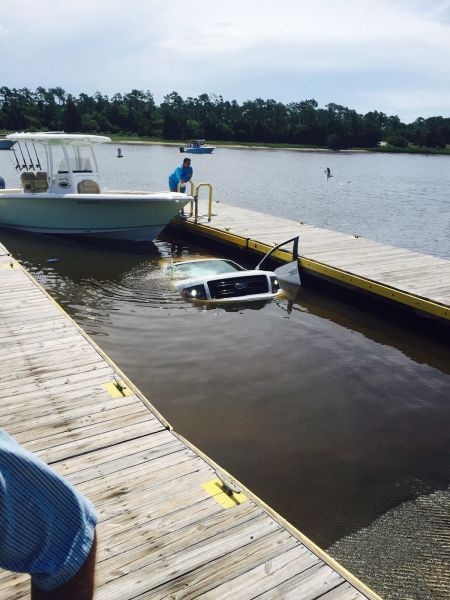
(133, 217)
(202, 150)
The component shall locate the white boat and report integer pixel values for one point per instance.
(65, 198)
(221, 280)
(197, 147)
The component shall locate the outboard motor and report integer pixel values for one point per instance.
(2, 183)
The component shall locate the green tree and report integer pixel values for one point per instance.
(397, 141)
(72, 117)
(174, 117)
(210, 116)
(434, 139)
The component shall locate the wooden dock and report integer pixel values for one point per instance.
(167, 529)
(408, 279)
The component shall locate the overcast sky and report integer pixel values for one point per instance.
(386, 55)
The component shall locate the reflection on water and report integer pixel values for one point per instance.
(330, 414)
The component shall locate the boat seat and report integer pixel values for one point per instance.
(88, 186)
(41, 181)
(34, 182)
(28, 179)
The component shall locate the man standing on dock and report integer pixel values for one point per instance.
(181, 175)
(47, 528)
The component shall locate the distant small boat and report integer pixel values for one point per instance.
(6, 144)
(197, 147)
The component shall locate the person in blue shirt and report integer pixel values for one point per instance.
(47, 528)
(181, 175)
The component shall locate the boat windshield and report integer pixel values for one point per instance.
(203, 268)
(76, 159)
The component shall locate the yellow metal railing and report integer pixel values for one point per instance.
(194, 203)
(203, 185)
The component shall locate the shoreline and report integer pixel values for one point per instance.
(250, 146)
(235, 146)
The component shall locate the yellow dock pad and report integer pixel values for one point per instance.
(410, 279)
(163, 531)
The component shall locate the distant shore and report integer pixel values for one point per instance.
(121, 140)
(260, 146)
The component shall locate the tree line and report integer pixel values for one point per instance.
(210, 116)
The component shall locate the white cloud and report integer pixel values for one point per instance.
(388, 45)
(413, 103)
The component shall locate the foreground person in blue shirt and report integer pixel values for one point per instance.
(181, 174)
(47, 528)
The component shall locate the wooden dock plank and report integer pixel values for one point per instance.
(35, 417)
(101, 462)
(86, 382)
(176, 559)
(84, 377)
(310, 585)
(12, 336)
(218, 572)
(153, 531)
(58, 366)
(59, 446)
(15, 587)
(198, 534)
(146, 477)
(267, 576)
(343, 592)
(43, 351)
(118, 517)
(186, 489)
(55, 400)
(75, 427)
